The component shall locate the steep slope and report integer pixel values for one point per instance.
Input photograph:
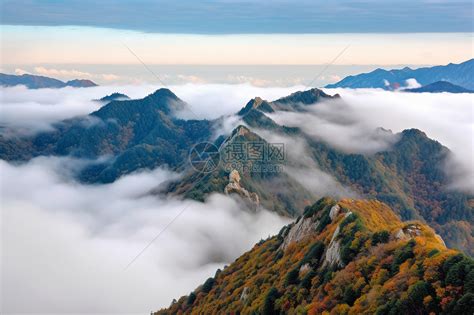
(459, 74)
(439, 87)
(134, 133)
(345, 257)
(39, 82)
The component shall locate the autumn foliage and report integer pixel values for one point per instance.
(386, 267)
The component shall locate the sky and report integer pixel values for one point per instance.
(73, 39)
(82, 236)
(248, 16)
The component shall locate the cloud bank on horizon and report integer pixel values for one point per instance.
(248, 16)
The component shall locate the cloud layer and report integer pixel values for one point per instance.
(65, 246)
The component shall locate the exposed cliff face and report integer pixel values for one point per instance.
(333, 255)
(345, 257)
(303, 227)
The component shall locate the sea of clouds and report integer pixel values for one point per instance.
(66, 246)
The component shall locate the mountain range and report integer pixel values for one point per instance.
(128, 135)
(340, 257)
(459, 74)
(39, 82)
(386, 251)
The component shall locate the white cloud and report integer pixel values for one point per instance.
(65, 246)
(110, 77)
(19, 71)
(412, 84)
(331, 78)
(61, 72)
(302, 168)
(338, 124)
(74, 74)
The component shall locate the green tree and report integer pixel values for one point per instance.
(349, 295)
(191, 298)
(207, 286)
(380, 237)
(269, 302)
(465, 305)
(292, 277)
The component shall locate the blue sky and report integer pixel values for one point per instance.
(247, 16)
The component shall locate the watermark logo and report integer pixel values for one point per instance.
(204, 157)
(245, 157)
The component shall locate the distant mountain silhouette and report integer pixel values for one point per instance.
(80, 83)
(439, 87)
(39, 82)
(459, 74)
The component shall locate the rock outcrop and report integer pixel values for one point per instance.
(234, 187)
(302, 228)
(334, 212)
(333, 255)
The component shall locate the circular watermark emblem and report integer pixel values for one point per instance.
(204, 157)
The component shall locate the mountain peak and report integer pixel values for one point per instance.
(414, 133)
(80, 83)
(164, 92)
(307, 97)
(256, 103)
(114, 97)
(162, 100)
